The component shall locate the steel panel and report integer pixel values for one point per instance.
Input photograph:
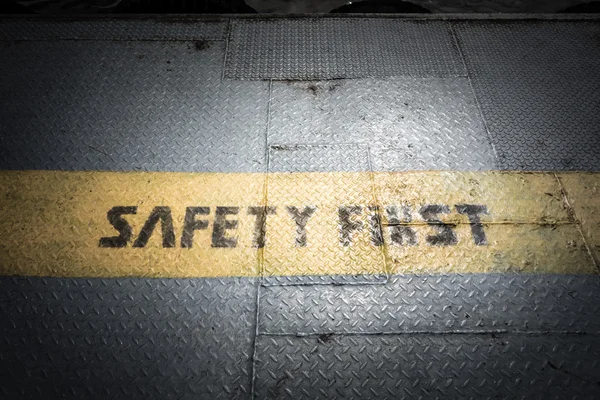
(126, 338)
(583, 195)
(157, 106)
(409, 123)
(113, 29)
(318, 158)
(539, 90)
(322, 237)
(150, 95)
(436, 304)
(316, 49)
(486, 366)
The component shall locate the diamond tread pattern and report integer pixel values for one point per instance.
(319, 158)
(319, 49)
(539, 90)
(280, 259)
(87, 106)
(408, 123)
(158, 106)
(486, 366)
(129, 30)
(437, 303)
(126, 338)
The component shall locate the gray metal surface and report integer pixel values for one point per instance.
(192, 338)
(318, 157)
(437, 303)
(113, 29)
(158, 106)
(538, 117)
(539, 90)
(163, 105)
(126, 338)
(489, 366)
(409, 123)
(314, 49)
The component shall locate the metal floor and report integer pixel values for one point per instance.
(256, 99)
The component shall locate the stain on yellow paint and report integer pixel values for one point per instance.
(583, 194)
(52, 223)
(528, 228)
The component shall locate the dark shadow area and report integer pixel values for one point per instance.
(592, 7)
(381, 7)
(11, 7)
(183, 7)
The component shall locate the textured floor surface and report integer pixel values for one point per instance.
(365, 103)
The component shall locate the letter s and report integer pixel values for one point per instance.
(115, 217)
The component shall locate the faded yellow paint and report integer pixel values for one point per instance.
(528, 227)
(583, 193)
(323, 253)
(51, 223)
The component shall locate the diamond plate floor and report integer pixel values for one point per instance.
(537, 91)
(230, 95)
(103, 105)
(306, 49)
(428, 367)
(111, 29)
(408, 123)
(436, 304)
(126, 338)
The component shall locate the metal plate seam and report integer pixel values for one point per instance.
(573, 214)
(227, 39)
(384, 250)
(265, 199)
(254, 342)
(507, 332)
(477, 104)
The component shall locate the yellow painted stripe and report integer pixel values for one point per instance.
(102, 224)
